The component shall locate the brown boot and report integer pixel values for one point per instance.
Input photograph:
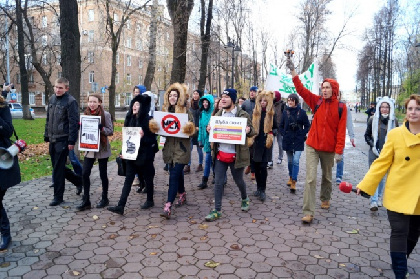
(199, 168)
(289, 183)
(187, 169)
(325, 204)
(307, 219)
(293, 187)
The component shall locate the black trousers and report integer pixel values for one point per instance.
(103, 173)
(59, 152)
(405, 232)
(148, 171)
(261, 175)
(4, 220)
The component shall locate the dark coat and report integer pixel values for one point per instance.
(196, 115)
(148, 143)
(294, 136)
(9, 177)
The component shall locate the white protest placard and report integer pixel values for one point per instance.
(89, 136)
(228, 129)
(171, 124)
(131, 142)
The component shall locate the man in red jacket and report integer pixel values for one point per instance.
(326, 140)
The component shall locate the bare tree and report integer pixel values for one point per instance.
(70, 45)
(179, 11)
(205, 29)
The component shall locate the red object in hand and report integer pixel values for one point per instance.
(21, 144)
(345, 187)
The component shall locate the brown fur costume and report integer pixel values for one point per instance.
(268, 121)
(180, 107)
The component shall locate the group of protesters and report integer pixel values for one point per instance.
(393, 156)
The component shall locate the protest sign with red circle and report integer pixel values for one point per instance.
(171, 124)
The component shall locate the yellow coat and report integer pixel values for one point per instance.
(401, 157)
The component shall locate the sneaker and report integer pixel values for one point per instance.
(257, 193)
(181, 200)
(262, 197)
(245, 204)
(373, 206)
(325, 204)
(279, 161)
(307, 219)
(213, 215)
(167, 210)
(270, 165)
(338, 180)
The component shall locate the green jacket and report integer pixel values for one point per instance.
(242, 150)
(177, 150)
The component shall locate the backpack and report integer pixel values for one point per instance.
(340, 107)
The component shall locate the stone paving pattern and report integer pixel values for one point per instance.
(269, 241)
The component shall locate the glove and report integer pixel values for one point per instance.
(338, 157)
(290, 65)
(46, 139)
(100, 127)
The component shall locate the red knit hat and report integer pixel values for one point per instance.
(277, 96)
(334, 86)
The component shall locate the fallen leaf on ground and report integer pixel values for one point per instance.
(342, 265)
(193, 222)
(253, 220)
(203, 238)
(212, 264)
(6, 264)
(153, 236)
(36, 207)
(235, 247)
(103, 226)
(95, 217)
(203, 226)
(153, 253)
(318, 257)
(112, 236)
(66, 207)
(353, 232)
(153, 227)
(135, 236)
(76, 273)
(112, 223)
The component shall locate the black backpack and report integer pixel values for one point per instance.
(340, 107)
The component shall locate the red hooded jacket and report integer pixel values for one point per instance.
(328, 130)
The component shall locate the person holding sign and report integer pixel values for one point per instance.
(138, 116)
(106, 129)
(233, 156)
(206, 104)
(176, 152)
(262, 121)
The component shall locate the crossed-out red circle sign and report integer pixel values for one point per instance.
(171, 124)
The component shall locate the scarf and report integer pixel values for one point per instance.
(194, 104)
(99, 112)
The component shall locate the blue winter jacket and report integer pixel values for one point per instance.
(203, 136)
(294, 136)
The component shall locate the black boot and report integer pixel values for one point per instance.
(79, 190)
(117, 209)
(399, 264)
(147, 205)
(203, 184)
(84, 205)
(104, 201)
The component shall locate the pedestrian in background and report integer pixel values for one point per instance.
(400, 159)
(106, 129)
(294, 127)
(371, 110)
(279, 107)
(377, 129)
(249, 106)
(9, 177)
(206, 107)
(195, 111)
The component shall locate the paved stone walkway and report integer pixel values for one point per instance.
(269, 241)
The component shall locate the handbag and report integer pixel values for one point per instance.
(121, 163)
(226, 157)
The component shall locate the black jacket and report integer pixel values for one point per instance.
(8, 177)
(294, 136)
(62, 119)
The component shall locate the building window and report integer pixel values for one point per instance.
(140, 63)
(90, 56)
(129, 79)
(128, 98)
(128, 24)
(138, 27)
(128, 43)
(44, 22)
(117, 100)
(91, 36)
(117, 77)
(31, 78)
(44, 40)
(167, 36)
(44, 59)
(116, 17)
(128, 60)
(140, 79)
(91, 77)
(117, 58)
(43, 98)
(31, 98)
(139, 45)
(91, 15)
(58, 59)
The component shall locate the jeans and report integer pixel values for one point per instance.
(4, 221)
(379, 191)
(293, 158)
(340, 170)
(261, 175)
(176, 181)
(207, 165)
(147, 169)
(77, 167)
(103, 173)
(200, 154)
(220, 170)
(279, 138)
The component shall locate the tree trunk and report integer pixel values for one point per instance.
(151, 66)
(205, 28)
(22, 62)
(70, 45)
(179, 11)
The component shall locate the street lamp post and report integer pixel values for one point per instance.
(235, 49)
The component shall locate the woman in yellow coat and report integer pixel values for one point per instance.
(400, 158)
